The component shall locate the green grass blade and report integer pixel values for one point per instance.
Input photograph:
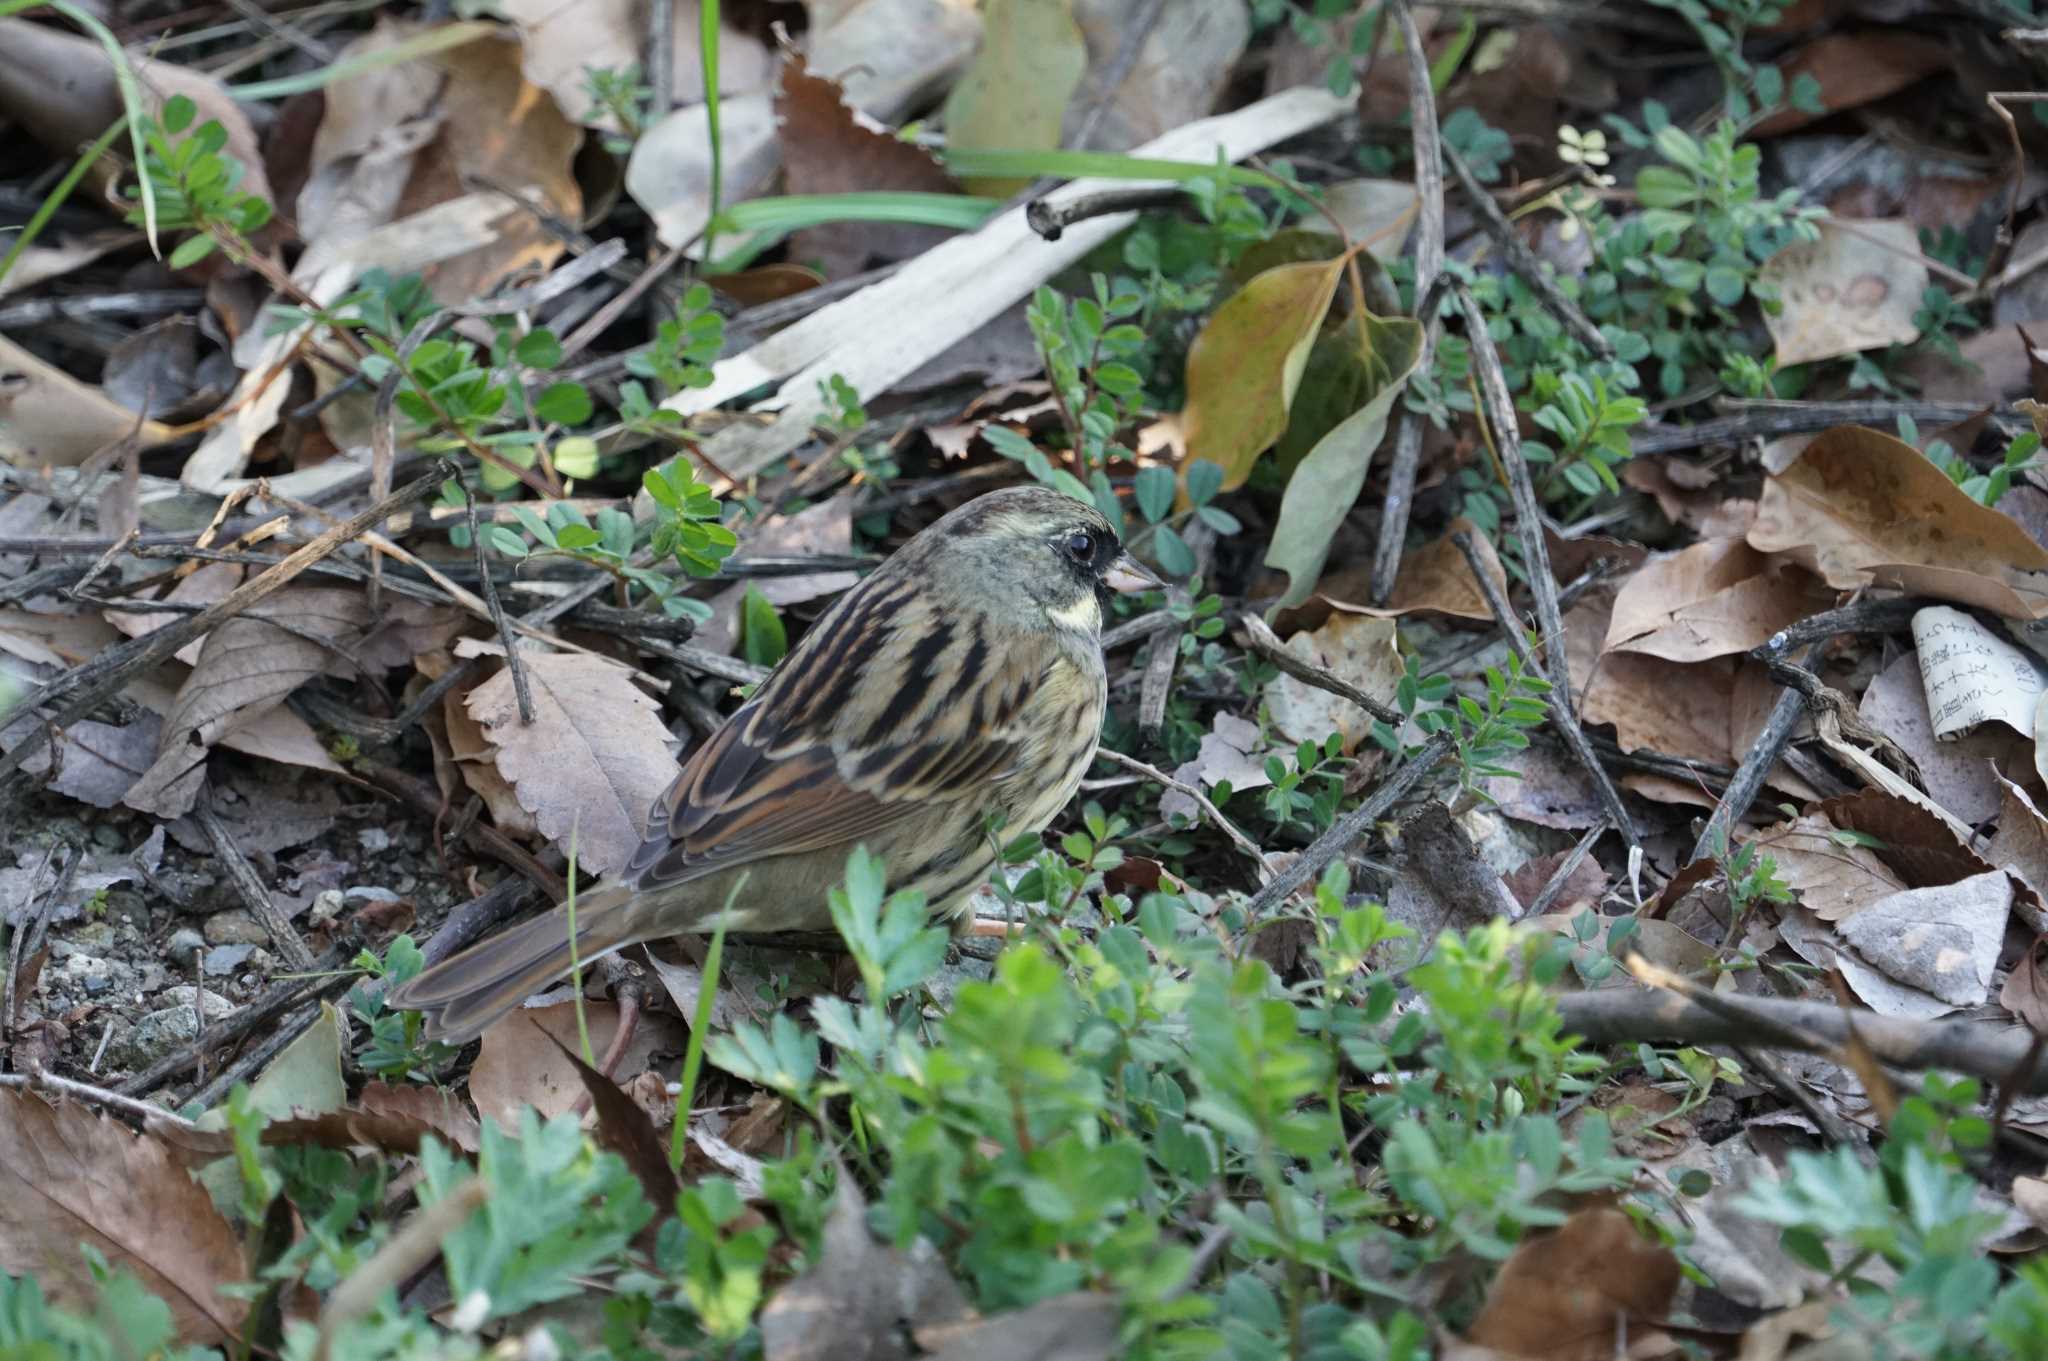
(419, 45)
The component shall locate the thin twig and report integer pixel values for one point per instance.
(1756, 766)
(1620, 1016)
(1209, 809)
(513, 663)
(1428, 145)
(43, 1081)
(1554, 886)
(1523, 261)
(1507, 436)
(1406, 459)
(249, 886)
(1348, 829)
(1564, 721)
(1262, 640)
(1766, 420)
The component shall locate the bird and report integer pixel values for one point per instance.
(964, 677)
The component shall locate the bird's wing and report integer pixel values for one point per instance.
(886, 710)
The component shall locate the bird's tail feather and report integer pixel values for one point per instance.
(464, 994)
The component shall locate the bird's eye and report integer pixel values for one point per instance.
(1081, 545)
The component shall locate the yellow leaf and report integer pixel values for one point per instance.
(1244, 367)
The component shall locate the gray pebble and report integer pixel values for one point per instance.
(235, 927)
(184, 943)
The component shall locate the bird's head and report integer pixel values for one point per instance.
(1030, 553)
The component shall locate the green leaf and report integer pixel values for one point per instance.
(1153, 488)
(563, 404)
(506, 540)
(538, 350)
(762, 638)
(178, 113)
(1326, 484)
(1176, 559)
(576, 456)
(1659, 186)
(1245, 366)
(1725, 284)
(191, 251)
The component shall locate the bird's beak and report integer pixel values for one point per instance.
(1127, 575)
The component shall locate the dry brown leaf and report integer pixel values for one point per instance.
(1709, 600)
(1700, 509)
(475, 758)
(68, 1177)
(829, 148)
(1857, 288)
(1566, 1296)
(1352, 647)
(593, 760)
(565, 39)
(1675, 708)
(49, 417)
(520, 1064)
(1832, 878)
(441, 1111)
(273, 734)
(1859, 507)
(1586, 883)
(1855, 69)
(208, 583)
(406, 137)
(1434, 577)
(247, 667)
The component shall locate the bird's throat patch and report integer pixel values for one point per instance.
(1083, 616)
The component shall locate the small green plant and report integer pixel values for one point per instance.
(683, 350)
(1154, 491)
(1484, 733)
(397, 1046)
(1486, 148)
(197, 186)
(1749, 90)
(2022, 455)
(1752, 877)
(1307, 792)
(1916, 1211)
(626, 98)
(686, 528)
(1591, 424)
(1086, 347)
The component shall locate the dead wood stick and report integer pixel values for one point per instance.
(1562, 719)
(1630, 1016)
(1348, 829)
(1262, 640)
